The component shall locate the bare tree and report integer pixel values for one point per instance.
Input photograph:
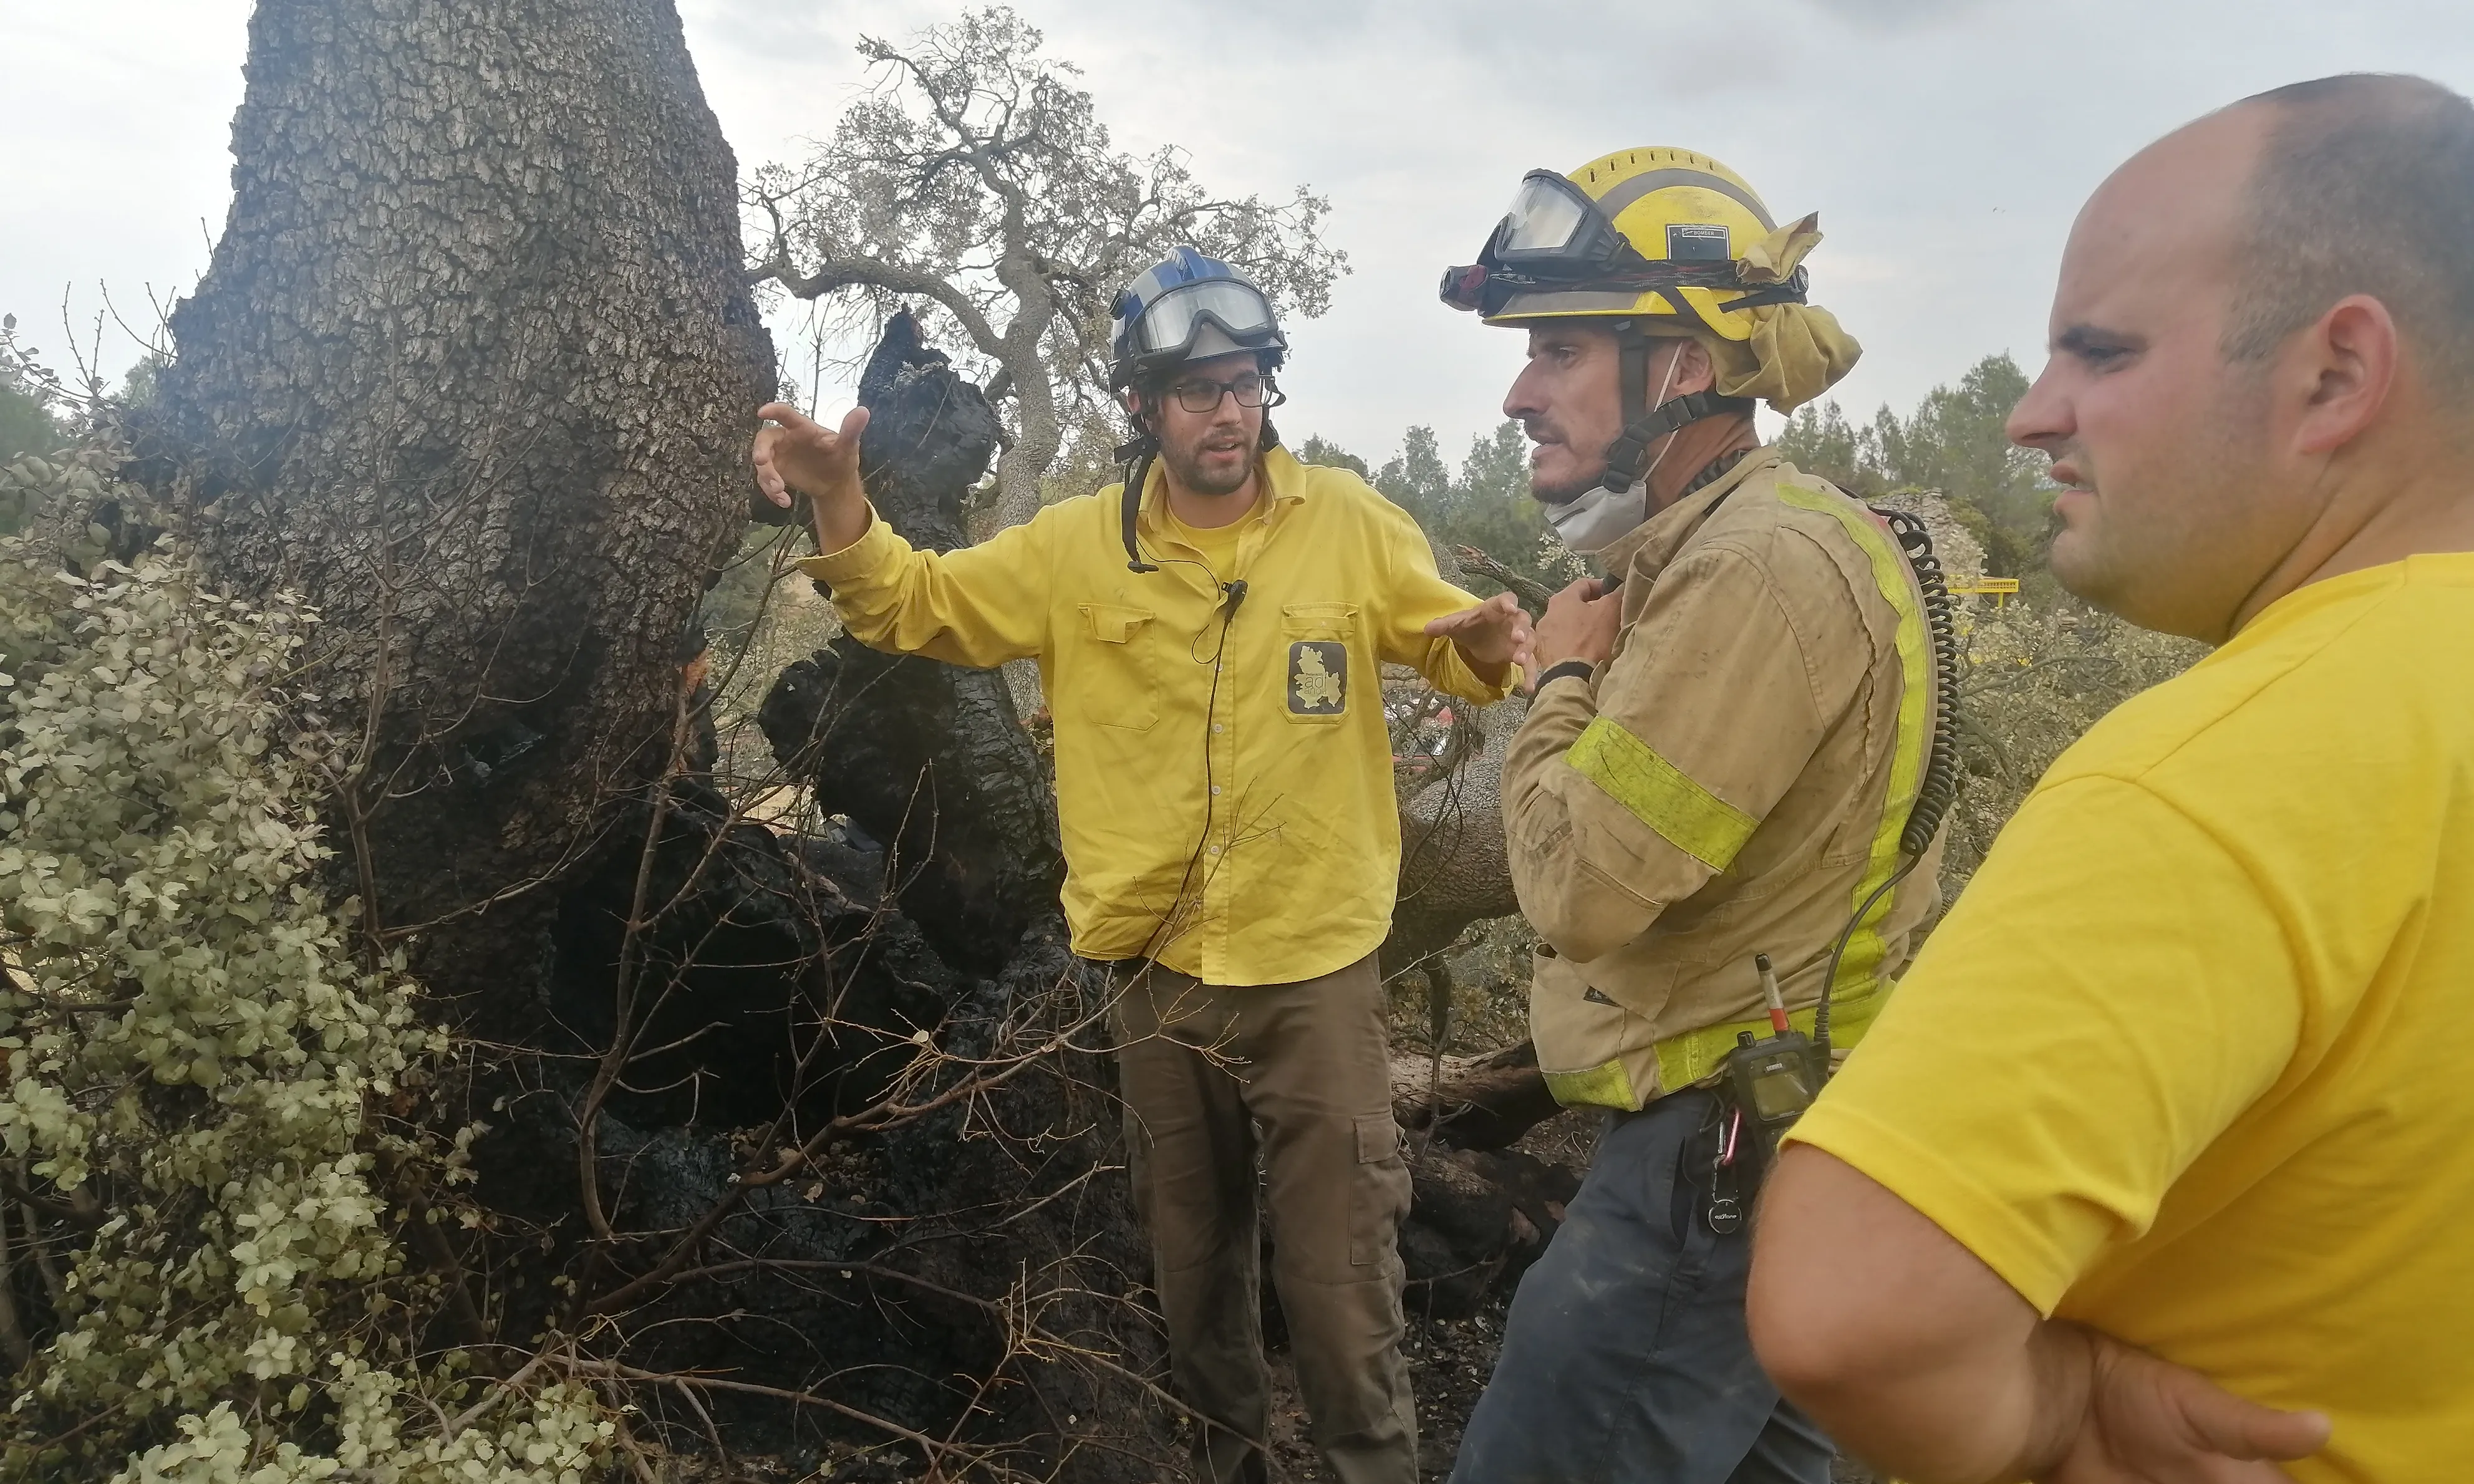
(975, 177)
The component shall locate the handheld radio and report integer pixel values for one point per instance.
(1774, 1081)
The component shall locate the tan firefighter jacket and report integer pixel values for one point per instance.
(1733, 781)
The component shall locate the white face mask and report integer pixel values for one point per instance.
(1596, 517)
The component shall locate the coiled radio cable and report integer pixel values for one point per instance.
(1938, 790)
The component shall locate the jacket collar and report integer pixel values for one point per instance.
(1277, 469)
(1647, 548)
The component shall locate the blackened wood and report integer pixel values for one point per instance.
(475, 368)
(929, 759)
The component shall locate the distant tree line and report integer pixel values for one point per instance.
(1953, 444)
(1485, 504)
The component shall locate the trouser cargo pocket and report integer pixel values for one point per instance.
(1378, 1194)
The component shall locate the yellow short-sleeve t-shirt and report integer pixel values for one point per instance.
(2192, 1060)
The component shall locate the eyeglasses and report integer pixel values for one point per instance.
(1198, 393)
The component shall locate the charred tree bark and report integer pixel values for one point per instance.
(1454, 868)
(1487, 1104)
(473, 366)
(928, 758)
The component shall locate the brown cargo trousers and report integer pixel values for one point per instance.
(1201, 1069)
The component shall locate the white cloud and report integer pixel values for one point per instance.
(114, 168)
(1947, 143)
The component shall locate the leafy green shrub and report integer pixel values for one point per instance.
(2036, 673)
(197, 1067)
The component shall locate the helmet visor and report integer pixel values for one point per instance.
(1549, 216)
(1177, 316)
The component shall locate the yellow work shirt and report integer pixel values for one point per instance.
(2187, 1060)
(1216, 545)
(1226, 798)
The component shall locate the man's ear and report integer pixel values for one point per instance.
(2346, 364)
(1694, 371)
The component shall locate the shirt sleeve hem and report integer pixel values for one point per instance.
(1449, 671)
(1977, 1220)
(860, 559)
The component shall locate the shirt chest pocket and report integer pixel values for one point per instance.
(1115, 668)
(1316, 640)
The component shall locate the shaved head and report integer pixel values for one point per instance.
(2262, 348)
(2366, 187)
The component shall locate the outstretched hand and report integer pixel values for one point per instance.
(797, 453)
(1494, 634)
(2151, 1422)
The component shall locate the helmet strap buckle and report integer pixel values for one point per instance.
(1629, 454)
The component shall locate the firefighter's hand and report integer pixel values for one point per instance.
(2146, 1419)
(796, 453)
(1494, 634)
(1579, 625)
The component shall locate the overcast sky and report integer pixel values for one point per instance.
(1946, 143)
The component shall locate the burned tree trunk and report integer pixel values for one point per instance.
(1455, 869)
(929, 759)
(474, 367)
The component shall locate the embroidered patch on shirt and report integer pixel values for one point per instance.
(1317, 678)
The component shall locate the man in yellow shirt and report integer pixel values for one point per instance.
(2160, 1163)
(1209, 638)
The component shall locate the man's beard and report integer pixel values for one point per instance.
(1566, 490)
(1188, 467)
(1571, 489)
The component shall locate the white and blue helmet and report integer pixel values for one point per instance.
(1187, 307)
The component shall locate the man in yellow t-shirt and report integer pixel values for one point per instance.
(2160, 1165)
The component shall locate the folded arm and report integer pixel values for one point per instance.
(2067, 1045)
(1919, 1358)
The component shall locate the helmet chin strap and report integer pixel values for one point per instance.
(1596, 518)
(1667, 445)
(1629, 461)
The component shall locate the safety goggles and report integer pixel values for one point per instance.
(1555, 238)
(1172, 320)
(1552, 226)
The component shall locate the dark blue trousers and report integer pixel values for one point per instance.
(1625, 1359)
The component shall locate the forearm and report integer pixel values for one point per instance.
(839, 519)
(1900, 1342)
(1584, 892)
(1449, 669)
(1986, 1408)
(976, 606)
(1489, 673)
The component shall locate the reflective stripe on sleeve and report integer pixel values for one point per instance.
(1859, 971)
(1659, 794)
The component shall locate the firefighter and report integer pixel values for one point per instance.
(1210, 635)
(1730, 736)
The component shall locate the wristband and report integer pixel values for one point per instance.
(1568, 669)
